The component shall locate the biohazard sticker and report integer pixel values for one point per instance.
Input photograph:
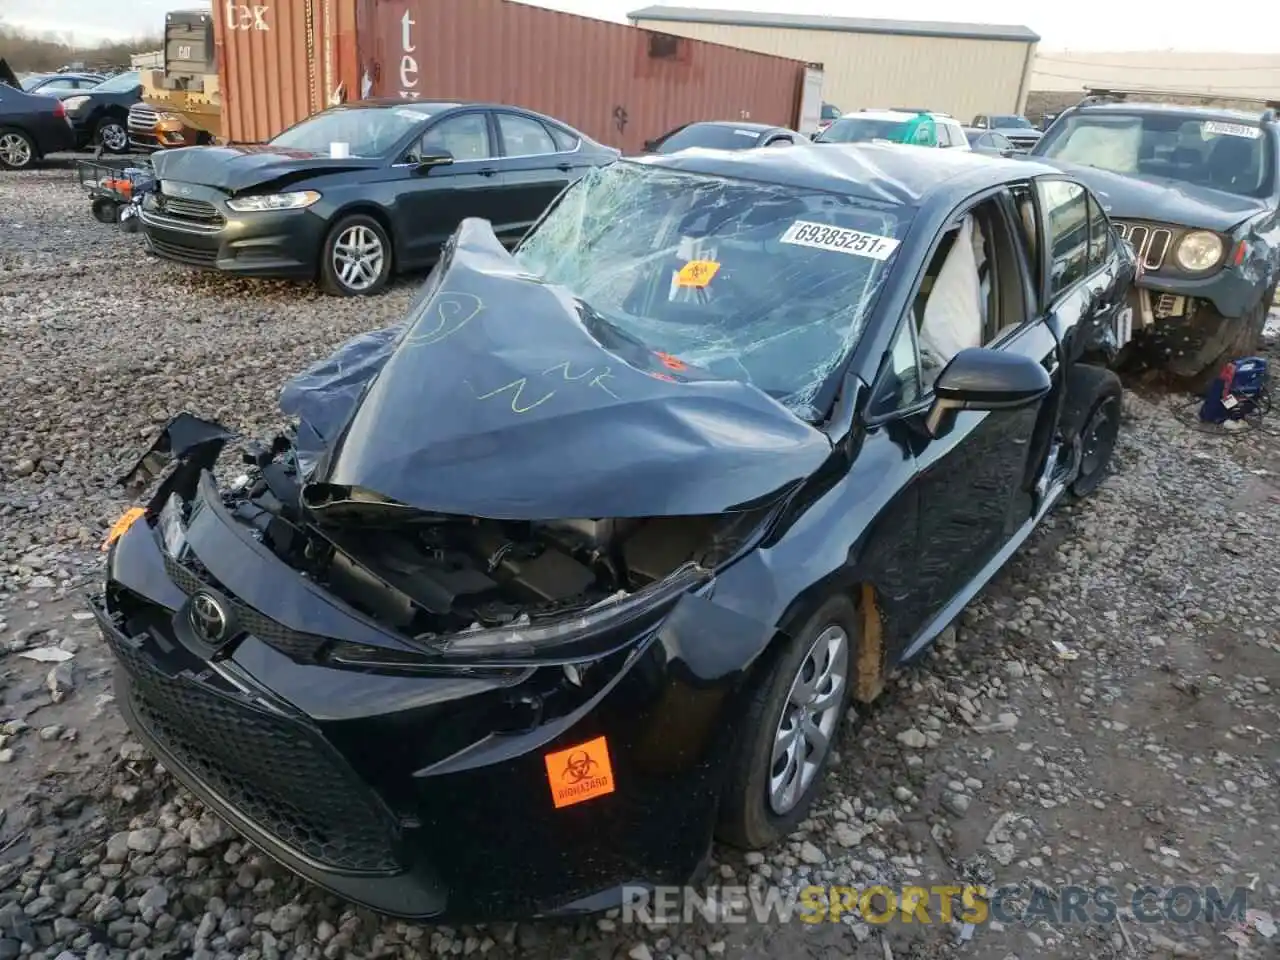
(580, 773)
(697, 273)
(822, 236)
(1232, 129)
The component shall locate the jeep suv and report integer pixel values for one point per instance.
(1196, 192)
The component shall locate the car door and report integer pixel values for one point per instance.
(971, 480)
(431, 202)
(536, 164)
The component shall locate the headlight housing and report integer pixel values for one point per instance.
(74, 103)
(274, 201)
(1198, 251)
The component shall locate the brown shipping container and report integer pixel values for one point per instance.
(620, 84)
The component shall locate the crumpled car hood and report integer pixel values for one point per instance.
(496, 398)
(242, 167)
(1133, 197)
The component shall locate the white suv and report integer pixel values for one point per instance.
(863, 125)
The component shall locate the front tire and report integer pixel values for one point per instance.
(1093, 409)
(1203, 368)
(356, 258)
(793, 718)
(17, 149)
(112, 135)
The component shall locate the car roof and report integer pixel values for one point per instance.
(886, 173)
(1188, 111)
(733, 125)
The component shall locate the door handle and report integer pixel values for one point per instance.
(488, 171)
(566, 167)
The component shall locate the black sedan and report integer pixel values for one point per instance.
(587, 557)
(31, 126)
(100, 114)
(989, 142)
(724, 135)
(354, 193)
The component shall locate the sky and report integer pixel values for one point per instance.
(1247, 26)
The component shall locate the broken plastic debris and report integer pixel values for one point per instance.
(47, 655)
(1063, 651)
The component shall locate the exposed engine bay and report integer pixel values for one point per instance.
(430, 575)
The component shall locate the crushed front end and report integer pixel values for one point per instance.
(434, 716)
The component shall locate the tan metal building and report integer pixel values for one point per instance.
(959, 68)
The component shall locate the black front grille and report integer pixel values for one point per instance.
(274, 770)
(181, 208)
(196, 256)
(302, 647)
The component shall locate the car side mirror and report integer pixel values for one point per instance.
(429, 161)
(982, 379)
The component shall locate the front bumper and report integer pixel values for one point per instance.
(1186, 317)
(283, 243)
(427, 796)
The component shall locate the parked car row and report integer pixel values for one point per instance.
(65, 112)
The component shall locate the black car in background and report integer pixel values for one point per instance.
(1196, 191)
(357, 192)
(989, 141)
(724, 135)
(586, 558)
(100, 114)
(31, 126)
(52, 84)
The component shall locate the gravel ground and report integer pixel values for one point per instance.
(1103, 715)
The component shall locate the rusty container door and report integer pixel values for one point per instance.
(618, 84)
(279, 61)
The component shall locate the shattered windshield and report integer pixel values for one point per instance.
(764, 284)
(1231, 156)
(355, 132)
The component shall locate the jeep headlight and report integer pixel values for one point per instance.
(273, 201)
(1199, 250)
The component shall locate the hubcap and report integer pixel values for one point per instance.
(15, 150)
(1099, 437)
(809, 719)
(357, 258)
(114, 137)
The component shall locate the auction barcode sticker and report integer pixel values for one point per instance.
(1232, 129)
(803, 233)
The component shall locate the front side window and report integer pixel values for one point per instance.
(1066, 214)
(122, 83)
(1233, 156)
(464, 137)
(1099, 235)
(351, 131)
(764, 284)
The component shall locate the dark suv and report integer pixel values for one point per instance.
(1196, 191)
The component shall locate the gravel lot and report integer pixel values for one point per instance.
(1143, 750)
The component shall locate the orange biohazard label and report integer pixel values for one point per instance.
(580, 773)
(696, 273)
(670, 362)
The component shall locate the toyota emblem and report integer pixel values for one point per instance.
(208, 619)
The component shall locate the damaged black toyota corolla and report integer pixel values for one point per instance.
(583, 562)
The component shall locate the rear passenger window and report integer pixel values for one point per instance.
(523, 137)
(565, 141)
(1066, 213)
(1099, 235)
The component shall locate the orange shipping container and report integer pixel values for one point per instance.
(282, 60)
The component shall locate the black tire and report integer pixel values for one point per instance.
(1242, 341)
(345, 229)
(104, 210)
(1091, 417)
(112, 134)
(748, 818)
(18, 150)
